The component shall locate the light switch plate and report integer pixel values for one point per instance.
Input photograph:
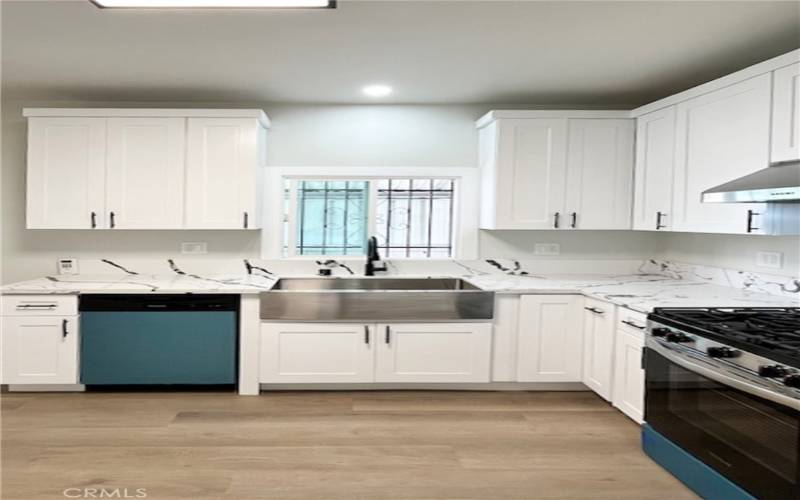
(771, 260)
(546, 249)
(194, 248)
(67, 266)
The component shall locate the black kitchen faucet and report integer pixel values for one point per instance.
(372, 257)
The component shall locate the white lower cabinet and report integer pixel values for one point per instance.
(629, 376)
(352, 353)
(39, 349)
(550, 343)
(316, 352)
(504, 337)
(433, 352)
(598, 347)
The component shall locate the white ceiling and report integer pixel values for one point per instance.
(526, 52)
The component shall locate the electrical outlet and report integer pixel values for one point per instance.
(771, 260)
(67, 266)
(194, 248)
(546, 249)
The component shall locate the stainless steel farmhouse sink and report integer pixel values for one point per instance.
(376, 299)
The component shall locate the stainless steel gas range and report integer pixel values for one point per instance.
(722, 405)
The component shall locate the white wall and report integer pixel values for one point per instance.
(604, 245)
(388, 136)
(315, 135)
(336, 136)
(731, 251)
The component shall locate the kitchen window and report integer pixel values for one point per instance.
(411, 217)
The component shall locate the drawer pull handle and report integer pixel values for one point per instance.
(594, 310)
(631, 323)
(36, 306)
(750, 227)
(659, 216)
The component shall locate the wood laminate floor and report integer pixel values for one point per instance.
(327, 446)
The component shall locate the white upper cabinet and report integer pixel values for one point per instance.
(721, 135)
(145, 173)
(221, 179)
(599, 174)
(523, 173)
(712, 134)
(786, 114)
(145, 168)
(555, 169)
(66, 172)
(655, 155)
(550, 344)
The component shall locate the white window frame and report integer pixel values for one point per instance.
(465, 206)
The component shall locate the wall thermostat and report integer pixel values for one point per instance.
(67, 266)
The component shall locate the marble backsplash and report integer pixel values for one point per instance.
(679, 271)
(744, 280)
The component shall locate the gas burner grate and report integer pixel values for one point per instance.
(771, 328)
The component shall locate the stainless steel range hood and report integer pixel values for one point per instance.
(779, 182)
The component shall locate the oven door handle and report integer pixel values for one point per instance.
(722, 378)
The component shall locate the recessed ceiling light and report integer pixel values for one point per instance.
(213, 4)
(377, 90)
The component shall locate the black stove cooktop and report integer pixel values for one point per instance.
(767, 331)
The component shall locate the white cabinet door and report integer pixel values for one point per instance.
(66, 173)
(550, 344)
(529, 174)
(598, 347)
(599, 174)
(145, 169)
(721, 136)
(433, 352)
(655, 155)
(504, 338)
(40, 349)
(786, 114)
(316, 352)
(223, 159)
(629, 375)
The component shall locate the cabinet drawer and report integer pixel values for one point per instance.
(39, 305)
(631, 321)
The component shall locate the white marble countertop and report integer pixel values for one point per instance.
(141, 283)
(640, 292)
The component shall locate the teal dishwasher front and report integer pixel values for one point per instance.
(158, 339)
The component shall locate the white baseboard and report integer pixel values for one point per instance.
(46, 388)
(490, 386)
